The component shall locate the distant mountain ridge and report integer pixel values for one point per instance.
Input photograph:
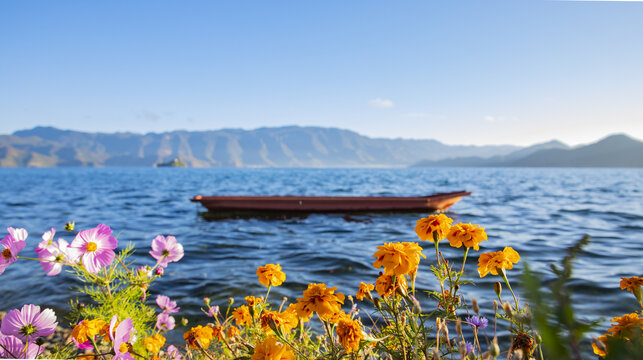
(617, 150)
(290, 146)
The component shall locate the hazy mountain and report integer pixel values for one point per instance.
(613, 151)
(290, 146)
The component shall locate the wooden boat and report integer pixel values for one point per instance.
(329, 203)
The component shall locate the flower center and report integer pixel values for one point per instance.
(59, 258)
(27, 330)
(6, 253)
(91, 246)
(166, 253)
(123, 348)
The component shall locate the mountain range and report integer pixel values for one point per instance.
(293, 146)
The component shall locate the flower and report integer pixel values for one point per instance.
(477, 322)
(144, 272)
(96, 246)
(86, 330)
(199, 336)
(384, 285)
(469, 348)
(213, 311)
(173, 352)
(218, 332)
(154, 343)
(166, 250)
(242, 316)
(270, 349)
(433, 227)
(12, 348)
(350, 333)
(12, 244)
(232, 332)
(494, 261)
(159, 271)
(169, 307)
(47, 239)
(165, 322)
(317, 298)
(364, 291)
(286, 320)
(466, 234)
(626, 325)
(29, 323)
(632, 284)
(523, 342)
(54, 256)
(252, 301)
(120, 335)
(399, 258)
(600, 350)
(271, 275)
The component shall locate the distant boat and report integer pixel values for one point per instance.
(176, 162)
(433, 202)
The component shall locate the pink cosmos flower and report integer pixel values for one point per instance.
(54, 256)
(10, 246)
(168, 306)
(120, 335)
(144, 272)
(29, 323)
(12, 348)
(165, 322)
(47, 239)
(173, 352)
(95, 246)
(166, 250)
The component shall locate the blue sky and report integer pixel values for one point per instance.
(462, 72)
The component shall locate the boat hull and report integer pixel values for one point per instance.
(329, 203)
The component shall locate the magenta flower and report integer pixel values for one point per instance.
(54, 256)
(168, 306)
(120, 335)
(165, 322)
(29, 323)
(95, 246)
(166, 250)
(47, 239)
(159, 271)
(477, 322)
(213, 311)
(12, 348)
(10, 246)
(174, 353)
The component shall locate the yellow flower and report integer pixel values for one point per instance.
(597, 350)
(493, 261)
(440, 224)
(232, 332)
(199, 336)
(399, 258)
(252, 301)
(286, 320)
(242, 316)
(625, 325)
(336, 317)
(271, 274)
(292, 308)
(317, 298)
(154, 344)
(87, 329)
(350, 333)
(364, 291)
(632, 284)
(270, 349)
(218, 333)
(384, 285)
(466, 234)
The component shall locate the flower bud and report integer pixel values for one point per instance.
(377, 304)
(497, 287)
(458, 326)
(537, 338)
(70, 226)
(184, 321)
(417, 308)
(494, 351)
(206, 301)
(159, 271)
(507, 308)
(475, 306)
(230, 301)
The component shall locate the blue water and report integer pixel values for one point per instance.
(539, 212)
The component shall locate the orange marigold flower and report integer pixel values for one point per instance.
(632, 284)
(626, 325)
(87, 329)
(600, 350)
(364, 291)
(232, 332)
(242, 316)
(384, 285)
(433, 227)
(336, 317)
(198, 336)
(252, 301)
(286, 320)
(271, 275)
(218, 333)
(493, 261)
(317, 298)
(466, 234)
(350, 333)
(154, 343)
(399, 258)
(271, 349)
(292, 308)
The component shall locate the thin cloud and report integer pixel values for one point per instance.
(490, 118)
(416, 115)
(381, 103)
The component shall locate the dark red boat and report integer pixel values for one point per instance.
(330, 203)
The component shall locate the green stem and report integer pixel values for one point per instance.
(91, 338)
(502, 274)
(437, 255)
(265, 301)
